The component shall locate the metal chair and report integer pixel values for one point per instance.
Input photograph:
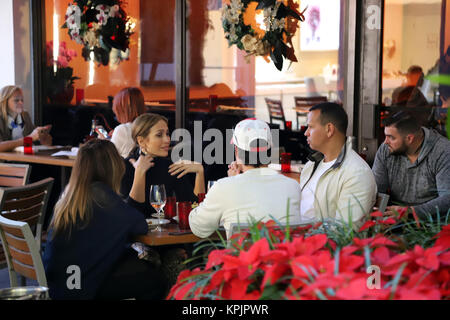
(14, 175)
(22, 252)
(27, 204)
(303, 104)
(276, 111)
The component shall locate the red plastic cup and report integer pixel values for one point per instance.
(286, 162)
(201, 197)
(288, 125)
(184, 209)
(170, 209)
(28, 145)
(79, 96)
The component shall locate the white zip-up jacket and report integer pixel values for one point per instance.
(347, 187)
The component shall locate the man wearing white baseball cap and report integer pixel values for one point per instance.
(251, 189)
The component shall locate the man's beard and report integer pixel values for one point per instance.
(401, 151)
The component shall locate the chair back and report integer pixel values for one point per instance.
(14, 175)
(382, 201)
(276, 111)
(27, 204)
(22, 252)
(303, 104)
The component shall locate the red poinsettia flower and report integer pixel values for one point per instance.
(369, 224)
(307, 265)
(418, 293)
(272, 273)
(380, 256)
(443, 237)
(376, 241)
(248, 261)
(427, 258)
(377, 214)
(388, 221)
(215, 258)
(355, 290)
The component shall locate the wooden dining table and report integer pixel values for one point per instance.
(171, 234)
(42, 157)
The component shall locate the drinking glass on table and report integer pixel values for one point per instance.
(158, 201)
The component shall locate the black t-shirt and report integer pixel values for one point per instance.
(157, 175)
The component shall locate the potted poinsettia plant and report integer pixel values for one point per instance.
(320, 262)
(59, 76)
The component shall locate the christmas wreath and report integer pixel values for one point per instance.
(102, 27)
(273, 39)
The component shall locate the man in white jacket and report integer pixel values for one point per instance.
(252, 190)
(337, 183)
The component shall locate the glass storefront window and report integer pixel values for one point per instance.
(222, 71)
(150, 65)
(416, 37)
(220, 78)
(411, 41)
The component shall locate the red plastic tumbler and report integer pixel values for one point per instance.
(79, 96)
(28, 145)
(170, 209)
(286, 162)
(289, 125)
(184, 209)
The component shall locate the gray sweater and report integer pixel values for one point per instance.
(425, 185)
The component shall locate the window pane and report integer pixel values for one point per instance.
(219, 70)
(150, 63)
(414, 40)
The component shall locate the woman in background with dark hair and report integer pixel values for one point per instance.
(92, 229)
(128, 104)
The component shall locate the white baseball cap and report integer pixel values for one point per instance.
(250, 130)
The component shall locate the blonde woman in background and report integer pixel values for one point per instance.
(15, 123)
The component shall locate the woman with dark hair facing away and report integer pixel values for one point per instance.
(88, 255)
(15, 123)
(151, 134)
(128, 104)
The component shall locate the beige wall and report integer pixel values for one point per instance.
(415, 28)
(392, 60)
(422, 28)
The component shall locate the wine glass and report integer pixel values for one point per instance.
(158, 201)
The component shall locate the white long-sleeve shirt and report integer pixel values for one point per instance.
(260, 193)
(122, 139)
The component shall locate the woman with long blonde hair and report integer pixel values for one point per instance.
(15, 123)
(93, 228)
